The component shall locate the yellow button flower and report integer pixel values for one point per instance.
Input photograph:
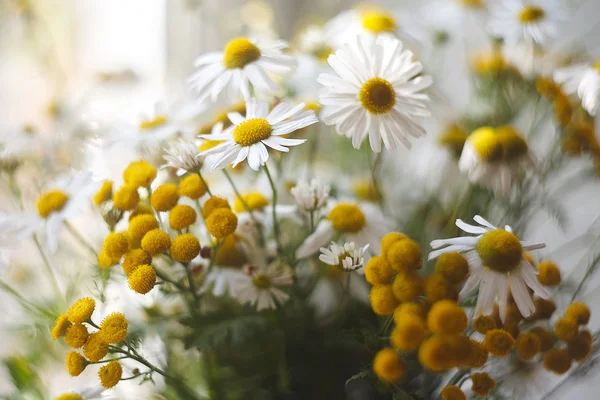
(113, 328)
(143, 279)
(181, 216)
(378, 271)
(139, 174)
(212, 204)
(76, 335)
(405, 255)
(141, 224)
(483, 384)
(452, 392)
(528, 345)
(447, 318)
(382, 299)
(164, 197)
(453, 266)
(126, 198)
(407, 286)
(110, 374)
(115, 245)
(60, 326)
(548, 273)
(103, 194)
(134, 259)
(557, 361)
(191, 186)
(388, 240)
(499, 342)
(221, 223)
(95, 349)
(185, 248)
(75, 363)
(82, 310)
(409, 334)
(578, 312)
(388, 366)
(156, 242)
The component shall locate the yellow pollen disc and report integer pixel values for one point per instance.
(69, 396)
(154, 123)
(377, 96)
(486, 144)
(378, 22)
(240, 52)
(531, 14)
(513, 144)
(347, 218)
(27, 128)
(50, 202)
(261, 281)
(252, 131)
(500, 250)
(597, 66)
(209, 144)
(473, 3)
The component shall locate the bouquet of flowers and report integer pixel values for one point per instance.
(272, 235)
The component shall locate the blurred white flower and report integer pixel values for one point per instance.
(583, 79)
(183, 156)
(346, 257)
(16, 145)
(311, 196)
(89, 393)
(377, 92)
(242, 63)
(261, 286)
(497, 263)
(249, 136)
(528, 20)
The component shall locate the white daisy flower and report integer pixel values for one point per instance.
(359, 223)
(497, 263)
(529, 20)
(16, 145)
(249, 136)
(183, 157)
(492, 157)
(310, 197)
(346, 257)
(313, 40)
(451, 19)
(261, 286)
(583, 79)
(66, 198)
(242, 63)
(378, 92)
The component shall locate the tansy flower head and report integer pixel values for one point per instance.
(115, 245)
(229, 253)
(437, 288)
(126, 197)
(578, 312)
(388, 366)
(382, 299)
(407, 310)
(110, 374)
(434, 354)
(484, 323)
(185, 248)
(546, 338)
(528, 345)
(75, 363)
(76, 335)
(51, 201)
(141, 224)
(543, 309)
(452, 392)
(156, 241)
(181, 216)
(192, 186)
(499, 342)
(405, 255)
(254, 201)
(580, 347)
(557, 361)
(409, 334)
(221, 223)
(142, 279)
(95, 349)
(212, 204)
(82, 310)
(134, 259)
(548, 273)
(139, 173)
(347, 218)
(407, 286)
(113, 328)
(378, 271)
(565, 329)
(447, 318)
(103, 194)
(105, 261)
(164, 197)
(140, 209)
(477, 355)
(388, 240)
(60, 326)
(365, 190)
(453, 266)
(483, 384)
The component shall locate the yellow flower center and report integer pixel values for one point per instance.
(347, 218)
(261, 281)
(153, 123)
(378, 22)
(597, 66)
(50, 202)
(500, 250)
(473, 3)
(69, 396)
(486, 144)
(254, 201)
(209, 144)
(531, 14)
(252, 131)
(27, 128)
(513, 144)
(240, 52)
(377, 96)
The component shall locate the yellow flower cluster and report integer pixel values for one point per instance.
(73, 326)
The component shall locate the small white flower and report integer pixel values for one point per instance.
(183, 156)
(583, 79)
(261, 287)
(346, 257)
(312, 40)
(377, 92)
(311, 196)
(497, 263)
(242, 64)
(249, 136)
(529, 20)
(17, 145)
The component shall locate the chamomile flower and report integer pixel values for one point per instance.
(182, 156)
(377, 92)
(17, 145)
(310, 197)
(497, 262)
(449, 19)
(64, 199)
(529, 20)
(583, 79)
(249, 137)
(359, 223)
(243, 63)
(313, 40)
(261, 287)
(346, 257)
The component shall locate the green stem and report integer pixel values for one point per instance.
(48, 266)
(244, 203)
(24, 302)
(81, 239)
(273, 211)
(172, 282)
(204, 182)
(190, 278)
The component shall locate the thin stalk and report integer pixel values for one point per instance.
(191, 284)
(24, 302)
(48, 266)
(244, 203)
(81, 239)
(273, 211)
(204, 182)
